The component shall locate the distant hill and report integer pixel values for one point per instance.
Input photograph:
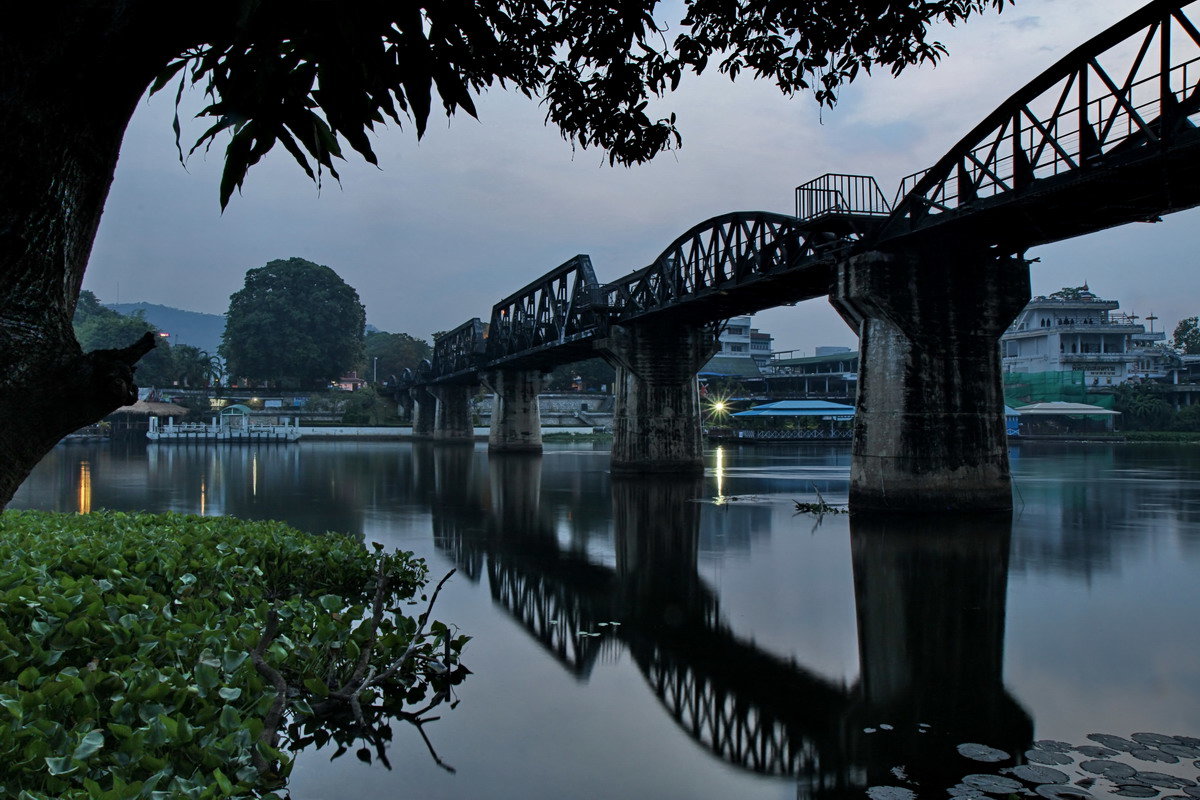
(186, 327)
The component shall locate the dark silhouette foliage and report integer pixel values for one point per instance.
(317, 78)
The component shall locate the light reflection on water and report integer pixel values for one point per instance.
(759, 653)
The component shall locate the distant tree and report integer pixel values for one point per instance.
(1143, 407)
(367, 407)
(1071, 293)
(1188, 418)
(591, 373)
(1187, 336)
(105, 329)
(190, 366)
(294, 323)
(395, 351)
(89, 306)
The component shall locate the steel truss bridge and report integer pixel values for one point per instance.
(1104, 137)
(749, 707)
(746, 706)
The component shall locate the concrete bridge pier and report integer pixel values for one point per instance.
(452, 420)
(424, 407)
(404, 406)
(656, 418)
(930, 602)
(929, 428)
(516, 417)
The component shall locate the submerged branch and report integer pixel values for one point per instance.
(270, 731)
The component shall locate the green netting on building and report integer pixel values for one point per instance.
(1023, 388)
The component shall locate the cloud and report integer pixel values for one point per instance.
(451, 224)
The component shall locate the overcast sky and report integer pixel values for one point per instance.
(477, 209)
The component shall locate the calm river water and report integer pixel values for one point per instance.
(759, 653)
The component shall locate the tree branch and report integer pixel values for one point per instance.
(416, 638)
(270, 732)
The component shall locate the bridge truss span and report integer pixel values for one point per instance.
(457, 354)
(557, 310)
(728, 265)
(1104, 137)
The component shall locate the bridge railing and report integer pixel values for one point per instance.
(834, 193)
(716, 254)
(459, 350)
(1107, 99)
(983, 172)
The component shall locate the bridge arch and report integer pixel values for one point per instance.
(709, 259)
(1073, 151)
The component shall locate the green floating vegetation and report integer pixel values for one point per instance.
(1183, 437)
(170, 656)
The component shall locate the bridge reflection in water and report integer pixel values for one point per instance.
(930, 605)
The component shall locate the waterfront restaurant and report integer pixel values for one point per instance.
(1065, 418)
(790, 420)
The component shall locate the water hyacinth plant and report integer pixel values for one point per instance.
(165, 656)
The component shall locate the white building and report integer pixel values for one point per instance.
(743, 350)
(1074, 330)
(735, 338)
(739, 340)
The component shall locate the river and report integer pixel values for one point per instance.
(667, 638)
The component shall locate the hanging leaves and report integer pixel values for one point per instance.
(308, 75)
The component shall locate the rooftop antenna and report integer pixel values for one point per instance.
(1150, 318)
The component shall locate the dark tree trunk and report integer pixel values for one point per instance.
(69, 83)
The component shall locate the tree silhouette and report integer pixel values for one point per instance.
(316, 77)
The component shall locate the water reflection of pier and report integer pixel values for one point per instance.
(930, 606)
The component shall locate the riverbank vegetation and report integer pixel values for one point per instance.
(1149, 407)
(1184, 437)
(190, 656)
(567, 436)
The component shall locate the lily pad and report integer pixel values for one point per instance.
(1192, 791)
(1147, 754)
(1135, 790)
(981, 752)
(1039, 774)
(1162, 780)
(1095, 751)
(1181, 750)
(1058, 791)
(1048, 757)
(993, 784)
(1054, 746)
(1115, 742)
(1154, 738)
(890, 793)
(1109, 769)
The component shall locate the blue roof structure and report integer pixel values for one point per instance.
(800, 408)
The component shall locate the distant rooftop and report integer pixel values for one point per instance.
(841, 355)
(800, 408)
(730, 366)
